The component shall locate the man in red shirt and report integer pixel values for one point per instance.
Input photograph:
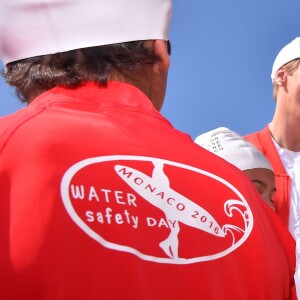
(101, 198)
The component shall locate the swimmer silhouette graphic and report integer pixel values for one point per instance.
(176, 207)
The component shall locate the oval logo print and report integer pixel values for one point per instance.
(159, 210)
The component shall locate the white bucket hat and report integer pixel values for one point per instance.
(288, 53)
(31, 28)
(234, 148)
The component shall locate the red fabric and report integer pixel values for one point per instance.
(263, 141)
(101, 198)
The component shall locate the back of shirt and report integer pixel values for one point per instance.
(103, 199)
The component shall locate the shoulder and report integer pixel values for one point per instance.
(10, 123)
(259, 138)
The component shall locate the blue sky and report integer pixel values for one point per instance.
(222, 56)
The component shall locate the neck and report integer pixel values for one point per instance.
(146, 81)
(285, 134)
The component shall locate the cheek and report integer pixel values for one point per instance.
(267, 195)
(298, 95)
(295, 87)
(259, 188)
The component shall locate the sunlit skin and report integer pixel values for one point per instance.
(153, 80)
(264, 182)
(287, 111)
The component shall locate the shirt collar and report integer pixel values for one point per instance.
(115, 94)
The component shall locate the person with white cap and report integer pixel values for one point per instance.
(279, 141)
(235, 149)
(101, 198)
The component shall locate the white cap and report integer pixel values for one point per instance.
(288, 53)
(31, 28)
(234, 148)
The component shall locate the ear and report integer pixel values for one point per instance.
(280, 76)
(160, 49)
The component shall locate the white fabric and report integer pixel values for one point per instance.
(234, 148)
(287, 53)
(30, 28)
(291, 162)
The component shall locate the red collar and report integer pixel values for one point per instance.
(115, 94)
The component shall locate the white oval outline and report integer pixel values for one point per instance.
(90, 232)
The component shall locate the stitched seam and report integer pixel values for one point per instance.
(13, 127)
(112, 106)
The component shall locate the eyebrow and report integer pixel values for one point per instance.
(259, 181)
(262, 183)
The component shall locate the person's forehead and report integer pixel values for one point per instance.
(261, 175)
